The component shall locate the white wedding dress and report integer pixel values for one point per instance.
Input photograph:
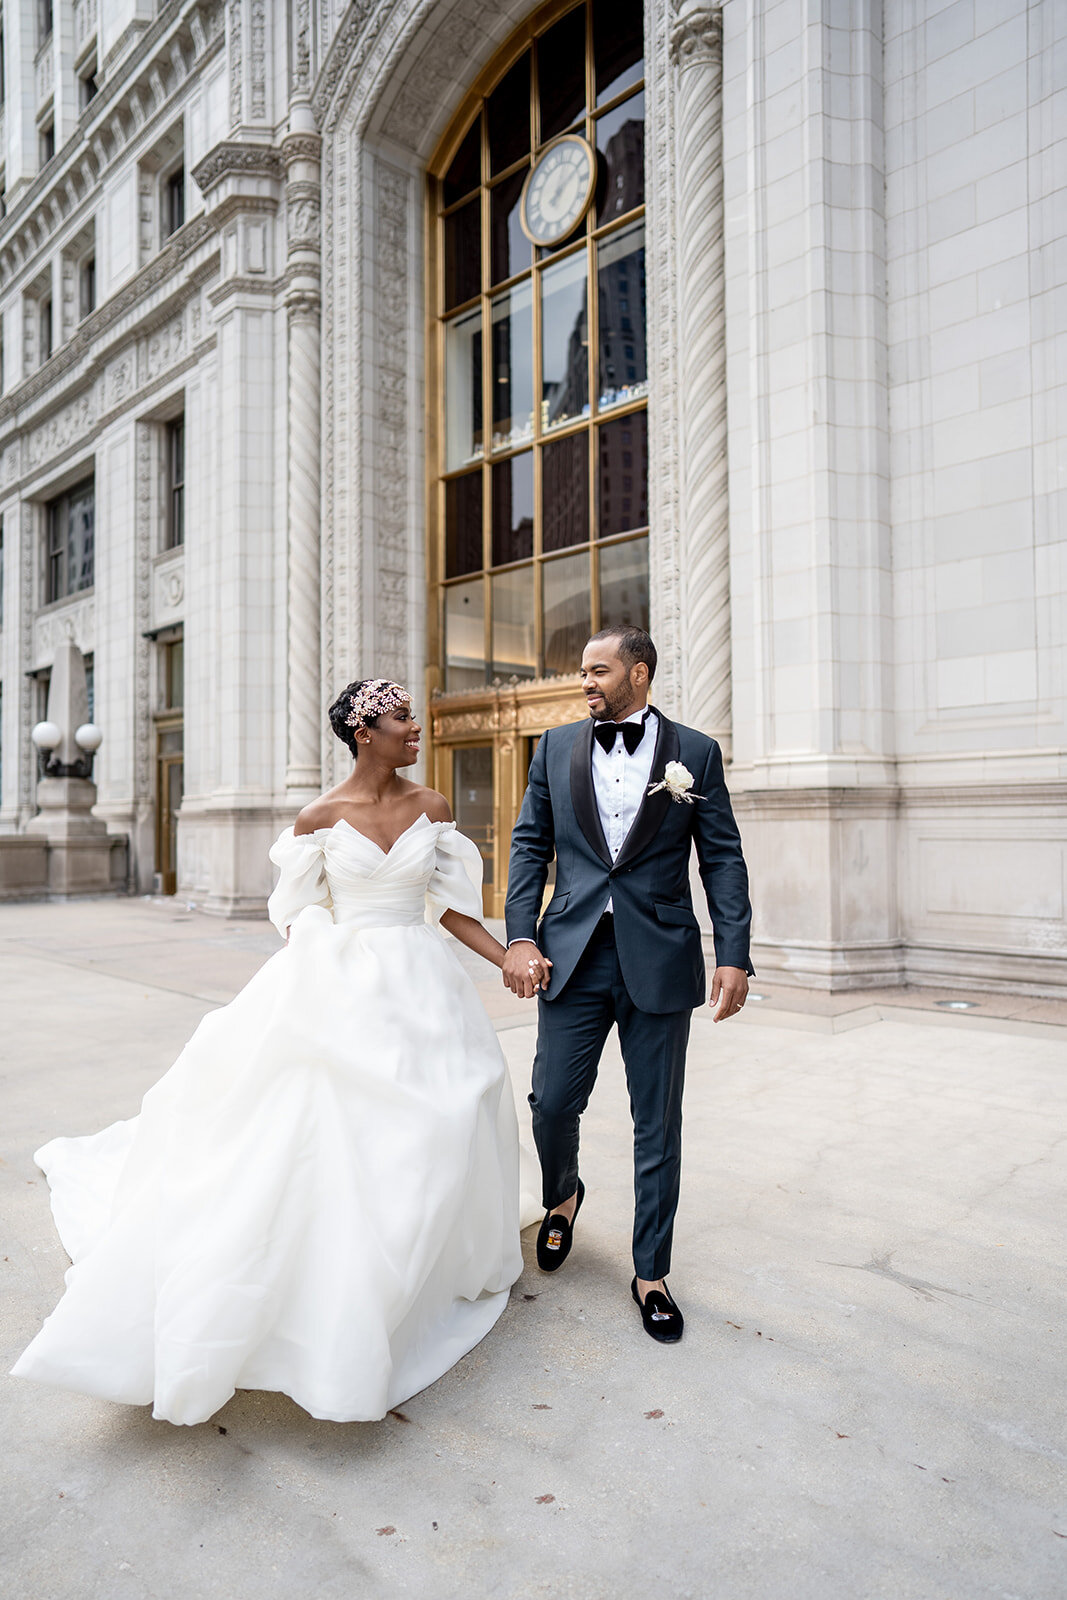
(322, 1195)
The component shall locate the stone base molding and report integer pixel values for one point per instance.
(872, 887)
(223, 865)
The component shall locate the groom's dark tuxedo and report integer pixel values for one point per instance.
(642, 968)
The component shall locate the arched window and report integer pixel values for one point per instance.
(539, 436)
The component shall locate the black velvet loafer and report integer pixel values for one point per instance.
(556, 1236)
(662, 1319)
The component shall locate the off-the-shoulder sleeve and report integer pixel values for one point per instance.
(303, 878)
(456, 881)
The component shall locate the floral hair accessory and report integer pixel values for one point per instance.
(678, 782)
(374, 699)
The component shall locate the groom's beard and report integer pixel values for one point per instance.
(609, 711)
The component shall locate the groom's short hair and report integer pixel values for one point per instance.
(633, 645)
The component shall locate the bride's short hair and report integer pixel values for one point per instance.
(360, 704)
(341, 710)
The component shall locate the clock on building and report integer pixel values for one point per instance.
(557, 193)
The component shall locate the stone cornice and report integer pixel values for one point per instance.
(179, 42)
(696, 37)
(237, 160)
(165, 266)
(261, 288)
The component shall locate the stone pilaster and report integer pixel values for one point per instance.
(301, 153)
(696, 51)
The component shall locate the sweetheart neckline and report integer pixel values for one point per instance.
(385, 854)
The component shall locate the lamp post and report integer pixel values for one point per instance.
(48, 736)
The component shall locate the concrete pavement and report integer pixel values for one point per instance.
(869, 1400)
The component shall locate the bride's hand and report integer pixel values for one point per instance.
(525, 969)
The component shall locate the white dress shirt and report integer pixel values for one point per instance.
(620, 781)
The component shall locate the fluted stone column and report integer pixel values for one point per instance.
(696, 50)
(301, 151)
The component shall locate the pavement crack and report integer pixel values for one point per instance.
(879, 1266)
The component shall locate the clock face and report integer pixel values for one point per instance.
(557, 192)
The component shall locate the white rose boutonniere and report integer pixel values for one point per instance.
(678, 782)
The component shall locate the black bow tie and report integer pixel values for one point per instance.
(632, 734)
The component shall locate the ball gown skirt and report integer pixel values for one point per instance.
(322, 1196)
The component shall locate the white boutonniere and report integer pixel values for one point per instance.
(678, 782)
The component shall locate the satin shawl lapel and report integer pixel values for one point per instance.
(653, 807)
(582, 797)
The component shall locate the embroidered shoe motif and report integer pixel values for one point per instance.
(555, 1239)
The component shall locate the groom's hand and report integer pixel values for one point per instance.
(525, 969)
(729, 989)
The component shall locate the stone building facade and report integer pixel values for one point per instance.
(273, 325)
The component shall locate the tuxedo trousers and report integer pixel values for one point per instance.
(571, 1032)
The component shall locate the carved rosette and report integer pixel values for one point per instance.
(301, 152)
(696, 49)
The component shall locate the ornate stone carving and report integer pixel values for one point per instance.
(76, 620)
(162, 349)
(26, 686)
(144, 524)
(303, 219)
(230, 159)
(696, 45)
(236, 65)
(341, 58)
(300, 73)
(301, 147)
(141, 288)
(696, 38)
(62, 430)
(168, 589)
(258, 63)
(392, 619)
(664, 466)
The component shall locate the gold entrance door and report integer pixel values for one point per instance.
(169, 789)
(472, 807)
(482, 744)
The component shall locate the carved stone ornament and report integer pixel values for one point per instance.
(237, 160)
(696, 38)
(301, 147)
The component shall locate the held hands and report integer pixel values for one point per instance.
(729, 988)
(525, 969)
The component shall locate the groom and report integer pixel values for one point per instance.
(621, 938)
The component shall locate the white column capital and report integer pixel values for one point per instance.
(696, 36)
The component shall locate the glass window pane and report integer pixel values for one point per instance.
(621, 290)
(514, 653)
(80, 539)
(564, 342)
(472, 800)
(463, 390)
(618, 46)
(622, 475)
(465, 173)
(561, 74)
(513, 393)
(465, 635)
(624, 584)
(508, 111)
(463, 254)
(566, 611)
(463, 524)
(620, 139)
(565, 492)
(509, 248)
(513, 509)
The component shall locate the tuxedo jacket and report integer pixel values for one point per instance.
(656, 931)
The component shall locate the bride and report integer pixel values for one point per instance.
(322, 1194)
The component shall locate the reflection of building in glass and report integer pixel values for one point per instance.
(623, 368)
(625, 170)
